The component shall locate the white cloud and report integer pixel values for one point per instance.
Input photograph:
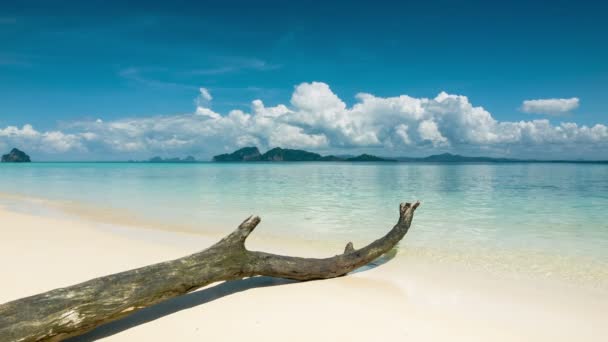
(429, 131)
(203, 101)
(318, 119)
(204, 94)
(48, 142)
(550, 106)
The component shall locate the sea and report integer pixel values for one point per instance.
(539, 216)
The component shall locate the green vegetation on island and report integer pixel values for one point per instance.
(252, 154)
(277, 154)
(243, 154)
(16, 156)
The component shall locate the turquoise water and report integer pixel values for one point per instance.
(560, 209)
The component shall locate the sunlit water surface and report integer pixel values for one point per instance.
(553, 210)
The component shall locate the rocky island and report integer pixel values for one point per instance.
(278, 154)
(188, 159)
(243, 154)
(16, 156)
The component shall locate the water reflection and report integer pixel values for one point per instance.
(545, 206)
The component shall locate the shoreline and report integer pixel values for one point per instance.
(581, 271)
(411, 295)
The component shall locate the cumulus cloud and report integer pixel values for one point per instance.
(550, 106)
(317, 119)
(48, 142)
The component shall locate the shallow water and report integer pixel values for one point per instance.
(551, 209)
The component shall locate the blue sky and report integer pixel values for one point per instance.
(66, 63)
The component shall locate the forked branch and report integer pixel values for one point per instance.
(74, 310)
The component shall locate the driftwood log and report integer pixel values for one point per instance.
(74, 310)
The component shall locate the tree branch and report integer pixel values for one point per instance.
(71, 311)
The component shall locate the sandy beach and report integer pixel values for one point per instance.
(441, 165)
(407, 297)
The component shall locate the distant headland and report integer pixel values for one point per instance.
(157, 159)
(188, 159)
(277, 154)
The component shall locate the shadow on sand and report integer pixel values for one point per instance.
(196, 298)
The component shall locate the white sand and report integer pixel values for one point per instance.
(406, 298)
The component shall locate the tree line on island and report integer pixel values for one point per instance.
(252, 154)
(277, 154)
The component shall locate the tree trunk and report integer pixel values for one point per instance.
(74, 310)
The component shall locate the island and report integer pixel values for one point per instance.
(243, 154)
(456, 158)
(367, 158)
(188, 159)
(16, 156)
(278, 154)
